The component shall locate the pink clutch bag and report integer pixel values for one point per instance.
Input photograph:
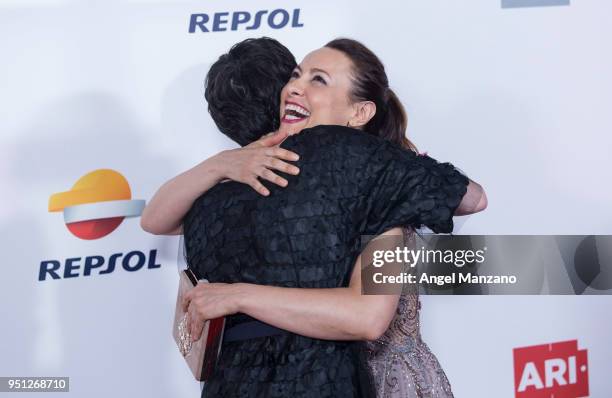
(201, 356)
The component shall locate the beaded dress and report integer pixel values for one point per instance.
(400, 363)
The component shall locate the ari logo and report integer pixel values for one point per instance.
(96, 204)
(556, 370)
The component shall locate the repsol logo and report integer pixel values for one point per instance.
(244, 20)
(79, 266)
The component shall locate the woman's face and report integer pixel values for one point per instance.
(317, 92)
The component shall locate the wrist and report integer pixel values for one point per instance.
(213, 167)
(243, 296)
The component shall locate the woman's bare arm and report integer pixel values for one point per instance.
(330, 313)
(324, 313)
(164, 213)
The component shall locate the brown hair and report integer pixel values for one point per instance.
(370, 83)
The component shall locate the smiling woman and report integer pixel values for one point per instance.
(344, 83)
(318, 93)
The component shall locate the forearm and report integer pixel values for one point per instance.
(473, 201)
(330, 313)
(165, 211)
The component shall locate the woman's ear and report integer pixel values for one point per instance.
(364, 112)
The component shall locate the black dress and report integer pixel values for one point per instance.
(309, 235)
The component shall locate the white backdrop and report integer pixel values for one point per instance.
(518, 98)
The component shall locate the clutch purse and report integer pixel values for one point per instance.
(201, 356)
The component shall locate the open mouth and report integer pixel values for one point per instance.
(294, 113)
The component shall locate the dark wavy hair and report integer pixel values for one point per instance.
(243, 88)
(370, 83)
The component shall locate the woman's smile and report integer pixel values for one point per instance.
(294, 113)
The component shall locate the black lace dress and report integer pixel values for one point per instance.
(309, 235)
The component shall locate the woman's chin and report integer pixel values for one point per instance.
(292, 128)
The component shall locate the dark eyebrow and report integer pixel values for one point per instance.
(313, 70)
(319, 70)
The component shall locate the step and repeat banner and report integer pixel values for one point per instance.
(102, 102)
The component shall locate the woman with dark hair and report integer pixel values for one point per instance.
(243, 86)
(304, 239)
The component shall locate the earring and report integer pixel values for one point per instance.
(348, 124)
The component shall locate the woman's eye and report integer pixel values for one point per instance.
(295, 75)
(319, 79)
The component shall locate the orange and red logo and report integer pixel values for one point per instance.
(96, 204)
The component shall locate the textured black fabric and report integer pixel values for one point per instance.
(308, 235)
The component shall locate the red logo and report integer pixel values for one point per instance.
(557, 370)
